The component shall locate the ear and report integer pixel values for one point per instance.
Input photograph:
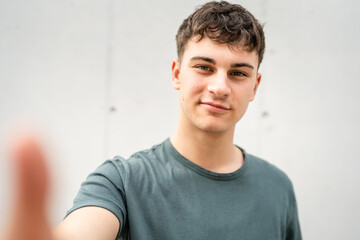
(175, 72)
(258, 80)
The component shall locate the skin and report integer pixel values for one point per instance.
(28, 218)
(215, 84)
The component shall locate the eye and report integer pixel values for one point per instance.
(238, 74)
(203, 67)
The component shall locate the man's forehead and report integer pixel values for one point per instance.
(234, 47)
(207, 48)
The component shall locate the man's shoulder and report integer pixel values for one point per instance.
(140, 160)
(268, 171)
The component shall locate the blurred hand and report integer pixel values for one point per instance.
(28, 218)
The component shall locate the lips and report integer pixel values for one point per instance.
(215, 107)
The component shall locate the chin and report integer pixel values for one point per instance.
(213, 128)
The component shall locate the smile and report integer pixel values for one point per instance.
(213, 107)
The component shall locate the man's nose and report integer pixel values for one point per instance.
(219, 85)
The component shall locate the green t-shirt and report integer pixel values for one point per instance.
(159, 194)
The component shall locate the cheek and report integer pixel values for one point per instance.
(243, 95)
(192, 87)
(248, 90)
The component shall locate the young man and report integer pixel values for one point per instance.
(197, 184)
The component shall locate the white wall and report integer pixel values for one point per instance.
(93, 77)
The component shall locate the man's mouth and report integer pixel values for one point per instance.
(215, 107)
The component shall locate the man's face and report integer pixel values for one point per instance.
(216, 84)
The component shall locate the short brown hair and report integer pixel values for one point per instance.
(223, 22)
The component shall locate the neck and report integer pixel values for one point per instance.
(212, 151)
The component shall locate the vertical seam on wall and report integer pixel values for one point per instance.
(108, 74)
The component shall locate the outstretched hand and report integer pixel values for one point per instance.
(28, 217)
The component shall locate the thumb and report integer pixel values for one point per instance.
(28, 218)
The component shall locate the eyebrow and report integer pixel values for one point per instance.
(210, 60)
(237, 65)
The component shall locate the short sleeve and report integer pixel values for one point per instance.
(293, 231)
(105, 188)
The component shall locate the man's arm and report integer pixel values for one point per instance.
(88, 223)
(28, 219)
